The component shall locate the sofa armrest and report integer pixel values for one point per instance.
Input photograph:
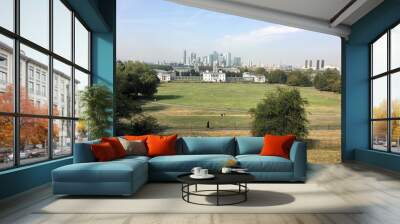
(83, 152)
(298, 155)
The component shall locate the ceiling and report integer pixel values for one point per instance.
(333, 17)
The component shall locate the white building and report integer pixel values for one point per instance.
(251, 77)
(34, 81)
(165, 76)
(214, 76)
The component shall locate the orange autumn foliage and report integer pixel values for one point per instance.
(33, 130)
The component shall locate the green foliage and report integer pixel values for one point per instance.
(135, 80)
(139, 124)
(96, 102)
(281, 112)
(160, 67)
(329, 80)
(298, 78)
(260, 71)
(277, 76)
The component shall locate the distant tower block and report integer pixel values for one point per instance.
(310, 64)
(322, 64)
(317, 65)
(306, 64)
(184, 57)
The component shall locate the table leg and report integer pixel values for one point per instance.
(195, 188)
(245, 193)
(217, 194)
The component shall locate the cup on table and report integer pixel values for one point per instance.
(226, 170)
(196, 171)
(203, 172)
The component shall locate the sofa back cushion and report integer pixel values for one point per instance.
(249, 145)
(206, 145)
(83, 152)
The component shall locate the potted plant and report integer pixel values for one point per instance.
(96, 103)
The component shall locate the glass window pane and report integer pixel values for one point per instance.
(379, 135)
(7, 14)
(81, 45)
(395, 95)
(62, 89)
(379, 97)
(81, 131)
(81, 82)
(6, 74)
(395, 47)
(34, 97)
(6, 142)
(62, 138)
(395, 138)
(379, 55)
(33, 140)
(35, 21)
(62, 28)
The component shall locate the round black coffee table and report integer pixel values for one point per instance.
(238, 179)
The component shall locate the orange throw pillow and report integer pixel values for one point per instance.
(161, 145)
(136, 137)
(103, 152)
(277, 145)
(116, 145)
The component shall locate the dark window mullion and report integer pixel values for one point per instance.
(389, 100)
(50, 81)
(16, 69)
(73, 82)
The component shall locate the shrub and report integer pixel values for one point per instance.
(139, 124)
(281, 112)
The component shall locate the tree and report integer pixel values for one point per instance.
(135, 82)
(281, 112)
(329, 80)
(96, 102)
(298, 78)
(260, 71)
(276, 76)
(33, 130)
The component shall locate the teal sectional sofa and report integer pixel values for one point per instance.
(125, 176)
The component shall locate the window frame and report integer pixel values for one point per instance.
(16, 114)
(388, 74)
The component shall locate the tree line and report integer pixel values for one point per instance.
(327, 80)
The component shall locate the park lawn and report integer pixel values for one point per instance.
(185, 108)
(238, 96)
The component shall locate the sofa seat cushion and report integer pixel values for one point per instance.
(112, 171)
(257, 163)
(185, 163)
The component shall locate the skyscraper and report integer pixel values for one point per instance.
(306, 64)
(317, 68)
(310, 64)
(184, 57)
(229, 59)
(322, 64)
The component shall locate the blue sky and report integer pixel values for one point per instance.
(159, 30)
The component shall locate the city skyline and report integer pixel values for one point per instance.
(160, 31)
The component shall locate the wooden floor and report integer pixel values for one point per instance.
(378, 189)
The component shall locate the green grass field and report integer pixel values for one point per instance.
(185, 108)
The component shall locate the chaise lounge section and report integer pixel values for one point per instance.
(125, 176)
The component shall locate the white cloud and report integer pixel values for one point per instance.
(257, 36)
